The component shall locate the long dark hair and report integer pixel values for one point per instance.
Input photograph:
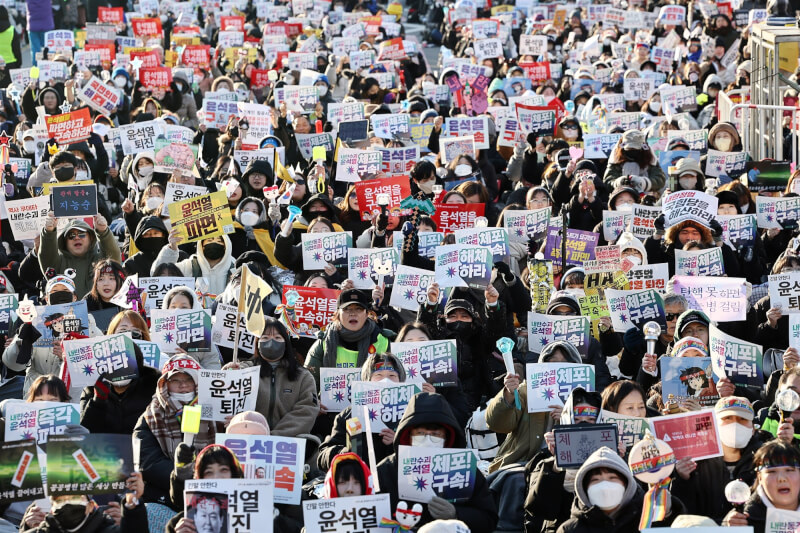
(288, 358)
(643, 158)
(690, 373)
(107, 266)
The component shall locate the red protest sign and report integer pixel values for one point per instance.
(280, 59)
(71, 127)
(259, 78)
(231, 23)
(536, 71)
(149, 58)
(153, 78)
(694, 434)
(314, 308)
(146, 27)
(186, 30)
(397, 187)
(107, 51)
(196, 56)
(110, 15)
(392, 49)
(294, 29)
(276, 28)
(450, 217)
(372, 25)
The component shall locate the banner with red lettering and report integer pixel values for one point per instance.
(313, 310)
(107, 51)
(231, 23)
(110, 15)
(392, 50)
(99, 96)
(146, 27)
(153, 78)
(149, 58)
(450, 217)
(196, 56)
(71, 127)
(537, 71)
(397, 188)
(259, 78)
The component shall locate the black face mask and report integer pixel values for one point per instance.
(60, 297)
(460, 328)
(272, 349)
(64, 173)
(70, 515)
(214, 251)
(151, 244)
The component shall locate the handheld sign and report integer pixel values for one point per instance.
(575, 443)
(190, 422)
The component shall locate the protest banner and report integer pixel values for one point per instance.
(614, 223)
(146, 27)
(784, 291)
(202, 217)
(599, 146)
(313, 309)
(225, 393)
(91, 464)
(334, 387)
(383, 403)
(410, 287)
(689, 205)
(151, 354)
(347, 514)
(526, 224)
(223, 333)
(52, 70)
(155, 77)
(550, 384)
(438, 360)
(178, 134)
(574, 443)
(390, 126)
(244, 157)
(692, 435)
(217, 113)
(20, 473)
(68, 128)
(38, 420)
(139, 137)
(353, 164)
(461, 265)
(370, 267)
(392, 50)
(23, 172)
(307, 143)
(74, 201)
(154, 289)
(397, 160)
(188, 329)
(8, 307)
(448, 473)
(248, 504)
(451, 148)
(488, 48)
(99, 96)
(643, 220)
(172, 156)
(319, 249)
(176, 192)
(345, 112)
(738, 360)
(494, 238)
(775, 212)
(738, 230)
(580, 245)
(630, 309)
(649, 277)
(631, 429)
(544, 329)
(53, 321)
(477, 127)
(689, 377)
(420, 133)
(110, 15)
(781, 521)
(536, 119)
(722, 299)
(280, 459)
(706, 262)
(639, 88)
(452, 217)
(532, 45)
(427, 243)
(362, 59)
(27, 216)
(395, 188)
(59, 41)
(110, 357)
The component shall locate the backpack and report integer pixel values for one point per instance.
(480, 437)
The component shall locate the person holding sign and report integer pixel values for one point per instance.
(632, 157)
(773, 323)
(347, 476)
(213, 260)
(182, 297)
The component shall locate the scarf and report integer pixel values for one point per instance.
(164, 421)
(338, 333)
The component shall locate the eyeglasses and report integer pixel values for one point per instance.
(672, 316)
(180, 382)
(569, 127)
(74, 236)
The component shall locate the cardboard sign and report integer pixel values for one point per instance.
(74, 201)
(722, 299)
(635, 308)
(689, 205)
(774, 213)
(59, 40)
(21, 475)
(248, 503)
(225, 393)
(313, 309)
(478, 127)
(699, 262)
(614, 223)
(580, 245)
(99, 96)
(550, 384)
(384, 403)
(88, 464)
(202, 217)
(575, 443)
(280, 459)
(544, 329)
(27, 216)
(343, 515)
(334, 387)
(188, 329)
(689, 377)
(397, 188)
(307, 142)
(319, 249)
(110, 357)
(437, 360)
(692, 435)
(38, 420)
(368, 267)
(631, 429)
(738, 360)
(68, 128)
(461, 265)
(427, 472)
(452, 217)
(155, 289)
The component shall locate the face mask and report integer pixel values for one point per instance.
(693, 77)
(151, 245)
(322, 90)
(796, 186)
(182, 397)
(735, 435)
(427, 186)
(120, 82)
(153, 202)
(723, 144)
(29, 146)
(625, 208)
(71, 516)
(248, 219)
(687, 183)
(142, 183)
(462, 170)
(60, 297)
(606, 494)
(289, 80)
(570, 134)
(635, 260)
(385, 380)
(122, 382)
(223, 90)
(488, 72)
(65, 173)
(81, 175)
(460, 328)
(427, 85)
(146, 172)
(271, 349)
(214, 250)
(655, 107)
(427, 441)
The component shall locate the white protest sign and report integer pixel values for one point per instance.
(27, 216)
(345, 515)
(689, 205)
(224, 393)
(784, 291)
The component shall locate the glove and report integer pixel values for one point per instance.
(640, 183)
(716, 229)
(274, 212)
(747, 254)
(382, 222)
(408, 228)
(503, 270)
(658, 223)
(101, 390)
(634, 341)
(184, 454)
(441, 509)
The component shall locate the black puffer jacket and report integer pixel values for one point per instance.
(141, 262)
(119, 412)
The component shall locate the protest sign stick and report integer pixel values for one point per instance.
(371, 451)
(238, 311)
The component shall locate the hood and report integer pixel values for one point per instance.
(627, 240)
(324, 199)
(262, 217)
(40, 98)
(568, 349)
(226, 261)
(173, 290)
(219, 80)
(330, 490)
(446, 72)
(135, 165)
(727, 127)
(606, 458)
(180, 76)
(427, 408)
(81, 225)
(579, 395)
(671, 235)
(711, 80)
(259, 167)
(150, 222)
(82, 147)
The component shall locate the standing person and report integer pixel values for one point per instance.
(9, 41)
(40, 21)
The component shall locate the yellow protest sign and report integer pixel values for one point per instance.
(190, 420)
(594, 305)
(232, 53)
(201, 217)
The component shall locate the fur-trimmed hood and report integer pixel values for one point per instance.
(672, 233)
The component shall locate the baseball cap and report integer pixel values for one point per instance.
(181, 363)
(457, 303)
(692, 316)
(734, 405)
(353, 297)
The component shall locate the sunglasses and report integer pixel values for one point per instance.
(74, 236)
(672, 316)
(569, 127)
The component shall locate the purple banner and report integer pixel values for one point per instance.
(580, 245)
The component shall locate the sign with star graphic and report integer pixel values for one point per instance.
(334, 387)
(635, 308)
(725, 163)
(699, 262)
(437, 360)
(544, 329)
(368, 267)
(738, 360)
(353, 163)
(110, 357)
(495, 238)
(739, 230)
(188, 329)
(319, 249)
(463, 265)
(39, 420)
(448, 473)
(384, 403)
(549, 384)
(723, 299)
(53, 321)
(774, 212)
(580, 245)
(20, 474)
(526, 224)
(410, 288)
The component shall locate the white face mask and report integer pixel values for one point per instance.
(427, 441)
(29, 146)
(142, 183)
(635, 259)
(462, 170)
(153, 202)
(322, 90)
(625, 208)
(146, 172)
(248, 219)
(120, 82)
(693, 77)
(796, 186)
(735, 435)
(182, 397)
(81, 175)
(427, 186)
(655, 107)
(122, 383)
(289, 80)
(606, 495)
(427, 85)
(687, 184)
(723, 144)
(488, 71)
(570, 134)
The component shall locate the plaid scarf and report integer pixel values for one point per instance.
(164, 420)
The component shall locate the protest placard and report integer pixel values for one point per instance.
(307, 142)
(99, 96)
(451, 148)
(217, 113)
(176, 192)
(202, 217)
(68, 128)
(397, 160)
(27, 216)
(630, 309)
(248, 503)
(780, 521)
(544, 329)
(154, 289)
(410, 287)
(139, 137)
(427, 243)
(344, 515)
(706, 262)
(390, 126)
(693, 435)
(452, 217)
(689, 205)
(334, 387)
(368, 267)
(550, 384)
(784, 291)
(639, 88)
(8, 307)
(155, 77)
(526, 224)
(496, 239)
(477, 127)
(722, 299)
(649, 277)
(461, 265)
(738, 230)
(614, 223)
(172, 156)
(280, 459)
(53, 321)
(631, 429)
(738, 360)
(345, 112)
(59, 41)
(599, 145)
(110, 357)
(20, 473)
(775, 212)
(689, 377)
(396, 188)
(224, 393)
(574, 443)
(383, 403)
(319, 249)
(437, 359)
(38, 420)
(643, 220)
(353, 164)
(146, 27)
(74, 201)
(444, 472)
(151, 354)
(313, 309)
(188, 329)
(536, 119)
(92, 464)
(580, 245)
(223, 333)
(532, 45)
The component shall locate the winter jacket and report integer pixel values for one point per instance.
(133, 521)
(479, 513)
(197, 265)
(756, 512)
(316, 354)
(339, 442)
(766, 335)
(40, 16)
(119, 412)
(53, 253)
(617, 169)
(548, 504)
(141, 262)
